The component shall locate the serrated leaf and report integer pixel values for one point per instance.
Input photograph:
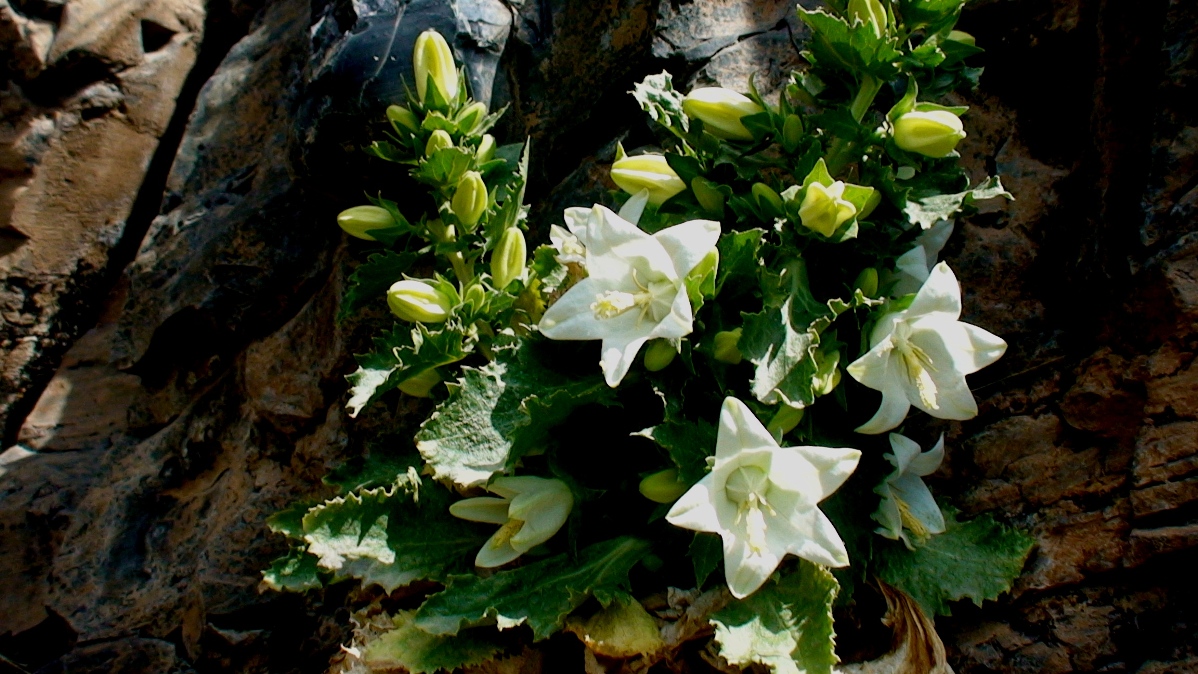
(688, 443)
(927, 211)
(977, 559)
(540, 594)
(444, 167)
(391, 535)
(657, 97)
(501, 411)
(370, 281)
(398, 355)
(786, 625)
(738, 257)
(855, 49)
(382, 468)
(294, 572)
(706, 552)
(418, 652)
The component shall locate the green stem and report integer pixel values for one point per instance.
(841, 152)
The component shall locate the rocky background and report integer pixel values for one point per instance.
(170, 373)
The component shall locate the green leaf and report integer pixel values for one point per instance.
(398, 355)
(657, 97)
(370, 281)
(855, 49)
(413, 650)
(540, 594)
(786, 625)
(707, 553)
(499, 412)
(444, 167)
(977, 559)
(933, 15)
(546, 268)
(738, 257)
(391, 535)
(295, 571)
(929, 210)
(688, 443)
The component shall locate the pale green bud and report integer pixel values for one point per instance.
(418, 302)
(721, 110)
(871, 13)
(708, 195)
(431, 57)
(475, 296)
(471, 116)
(962, 37)
(823, 210)
(792, 132)
(664, 486)
(439, 140)
(508, 258)
(867, 282)
(470, 199)
(420, 384)
(486, 149)
(659, 354)
(769, 201)
(726, 347)
(934, 133)
(359, 220)
(647, 172)
(402, 117)
(784, 421)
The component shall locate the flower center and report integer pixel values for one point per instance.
(654, 300)
(748, 487)
(910, 521)
(505, 533)
(918, 366)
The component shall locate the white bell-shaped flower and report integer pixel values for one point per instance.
(530, 511)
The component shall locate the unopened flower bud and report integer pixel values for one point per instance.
(721, 111)
(486, 149)
(360, 220)
(823, 210)
(962, 37)
(470, 199)
(867, 282)
(420, 384)
(647, 172)
(432, 60)
(784, 421)
(439, 140)
(659, 354)
(471, 116)
(508, 258)
(726, 347)
(871, 13)
(475, 296)
(934, 133)
(664, 486)
(401, 117)
(768, 200)
(708, 195)
(418, 302)
(792, 132)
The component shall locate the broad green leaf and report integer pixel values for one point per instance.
(657, 97)
(444, 167)
(398, 355)
(391, 535)
(738, 257)
(409, 648)
(383, 467)
(930, 14)
(540, 594)
(707, 553)
(294, 572)
(546, 268)
(786, 625)
(927, 211)
(977, 559)
(370, 281)
(501, 411)
(688, 443)
(855, 49)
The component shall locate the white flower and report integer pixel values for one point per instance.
(634, 290)
(913, 267)
(907, 505)
(919, 356)
(530, 511)
(763, 499)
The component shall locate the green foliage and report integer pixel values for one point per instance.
(786, 625)
(416, 651)
(927, 211)
(663, 104)
(977, 559)
(501, 411)
(398, 355)
(688, 443)
(739, 257)
(540, 594)
(369, 282)
(852, 48)
(706, 552)
(294, 572)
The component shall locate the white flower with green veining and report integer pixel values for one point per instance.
(919, 356)
(907, 504)
(530, 510)
(635, 289)
(763, 500)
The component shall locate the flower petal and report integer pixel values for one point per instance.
(481, 509)
(571, 316)
(890, 414)
(492, 554)
(696, 508)
(828, 468)
(688, 243)
(744, 570)
(940, 294)
(929, 461)
(877, 367)
(576, 218)
(679, 322)
(824, 546)
(919, 502)
(739, 430)
(634, 207)
(971, 348)
(905, 449)
(614, 245)
(888, 516)
(619, 353)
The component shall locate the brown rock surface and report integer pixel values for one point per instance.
(202, 392)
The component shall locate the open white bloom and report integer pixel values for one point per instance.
(907, 505)
(530, 511)
(919, 356)
(763, 499)
(913, 267)
(634, 290)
